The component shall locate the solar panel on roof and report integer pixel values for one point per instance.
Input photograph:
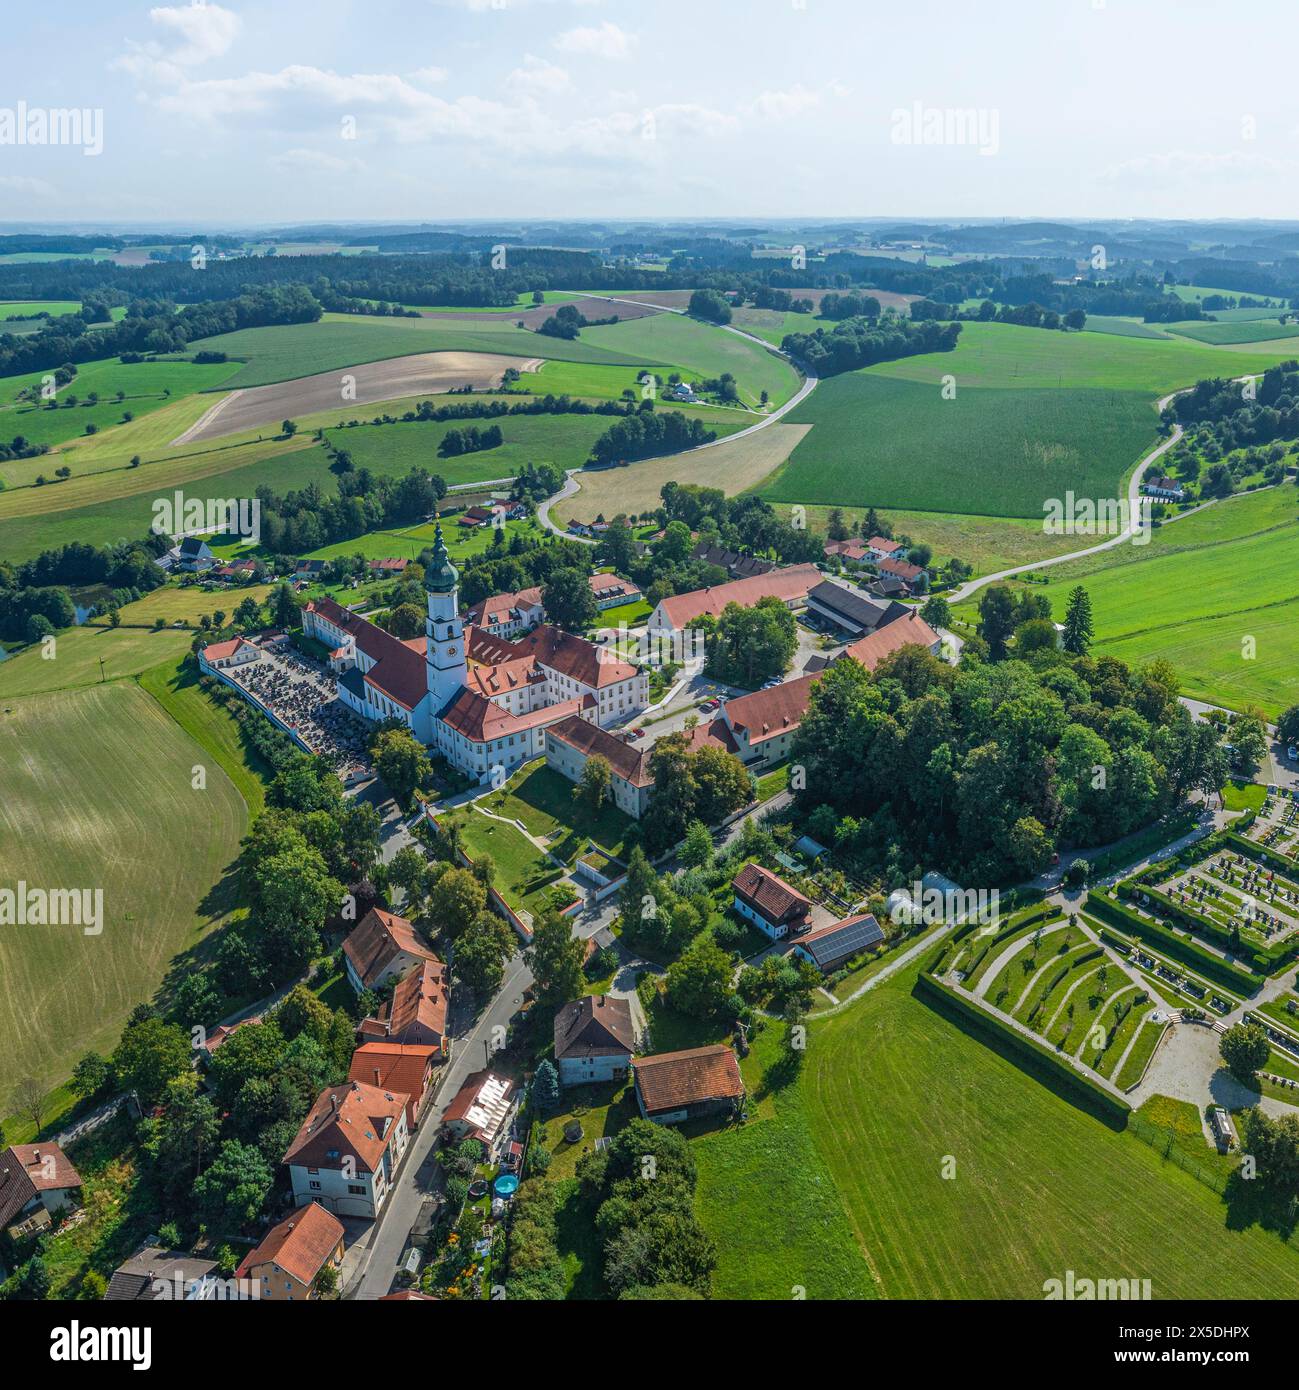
(848, 940)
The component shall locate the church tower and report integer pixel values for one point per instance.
(448, 670)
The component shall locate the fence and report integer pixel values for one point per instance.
(1164, 1142)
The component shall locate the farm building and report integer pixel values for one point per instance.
(828, 947)
(769, 902)
(595, 1038)
(850, 611)
(689, 1085)
(737, 566)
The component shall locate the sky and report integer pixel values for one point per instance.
(282, 111)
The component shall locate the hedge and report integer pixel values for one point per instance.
(1161, 938)
(1090, 1093)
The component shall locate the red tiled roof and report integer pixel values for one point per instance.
(901, 569)
(377, 938)
(500, 607)
(575, 657)
(787, 584)
(716, 734)
(766, 713)
(606, 585)
(673, 1080)
(769, 895)
(852, 549)
(398, 671)
(594, 1026)
(504, 676)
(901, 632)
(483, 720)
(394, 1066)
(28, 1169)
(217, 651)
(883, 545)
(300, 1245)
(419, 1000)
(631, 764)
(351, 1119)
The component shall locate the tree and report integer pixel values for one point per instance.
(285, 613)
(555, 958)
(481, 951)
(997, 620)
(232, 1191)
(937, 611)
(455, 899)
(697, 848)
(751, 645)
(709, 304)
(406, 621)
(29, 1100)
(406, 870)
(1078, 622)
(1244, 1048)
(91, 1075)
(149, 1056)
(401, 761)
(1287, 725)
(568, 600)
(186, 1135)
(326, 1280)
(595, 782)
(289, 428)
(545, 1086)
(1249, 741)
(699, 984)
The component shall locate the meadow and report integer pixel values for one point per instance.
(98, 794)
(1237, 331)
(337, 341)
(14, 308)
(78, 652)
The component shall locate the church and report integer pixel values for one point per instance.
(483, 702)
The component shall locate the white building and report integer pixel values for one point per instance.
(595, 1039)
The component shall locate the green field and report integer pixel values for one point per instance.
(700, 350)
(1236, 331)
(989, 451)
(1122, 328)
(98, 794)
(286, 351)
(543, 800)
(1039, 1187)
(77, 654)
(13, 308)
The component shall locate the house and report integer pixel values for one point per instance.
(595, 1038)
(790, 585)
(155, 1272)
(36, 1181)
(572, 741)
(287, 1263)
(217, 656)
(911, 575)
(383, 947)
(193, 554)
(762, 725)
(881, 548)
(828, 947)
(909, 630)
(676, 1086)
(310, 569)
(849, 610)
(610, 591)
(222, 1031)
(491, 515)
(235, 571)
(680, 391)
(389, 566)
(1165, 489)
(416, 1013)
(480, 1109)
(886, 587)
(769, 902)
(852, 551)
(348, 1148)
(737, 566)
(405, 1068)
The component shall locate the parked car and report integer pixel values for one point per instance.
(1292, 753)
(710, 705)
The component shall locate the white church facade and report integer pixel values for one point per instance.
(483, 702)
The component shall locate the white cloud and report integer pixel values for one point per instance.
(428, 77)
(312, 161)
(603, 41)
(781, 105)
(537, 76)
(19, 183)
(205, 31)
(1183, 167)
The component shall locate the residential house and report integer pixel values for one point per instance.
(37, 1183)
(762, 725)
(237, 651)
(481, 1109)
(852, 551)
(154, 1272)
(881, 548)
(403, 1068)
(1164, 488)
(388, 567)
(194, 554)
(699, 1082)
(595, 1038)
(417, 1012)
(737, 566)
(287, 1263)
(610, 591)
(348, 1148)
(830, 946)
(383, 947)
(572, 741)
(769, 902)
(913, 576)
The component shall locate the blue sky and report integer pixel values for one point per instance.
(253, 111)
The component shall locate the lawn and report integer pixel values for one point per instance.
(543, 800)
(1243, 796)
(1237, 331)
(1139, 1055)
(78, 651)
(1039, 1185)
(285, 351)
(990, 451)
(524, 876)
(99, 794)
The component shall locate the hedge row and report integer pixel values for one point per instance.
(1204, 962)
(1088, 1092)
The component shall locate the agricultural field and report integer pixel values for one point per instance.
(77, 655)
(1122, 327)
(999, 1228)
(1237, 331)
(98, 787)
(338, 341)
(16, 308)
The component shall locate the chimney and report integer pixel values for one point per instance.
(333, 1101)
(376, 1076)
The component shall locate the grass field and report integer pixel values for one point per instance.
(523, 874)
(700, 350)
(1122, 328)
(98, 794)
(1237, 330)
(77, 654)
(12, 308)
(543, 800)
(285, 351)
(1039, 1187)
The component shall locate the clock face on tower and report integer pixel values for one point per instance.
(451, 651)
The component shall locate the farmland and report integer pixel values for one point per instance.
(98, 793)
(78, 652)
(1237, 331)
